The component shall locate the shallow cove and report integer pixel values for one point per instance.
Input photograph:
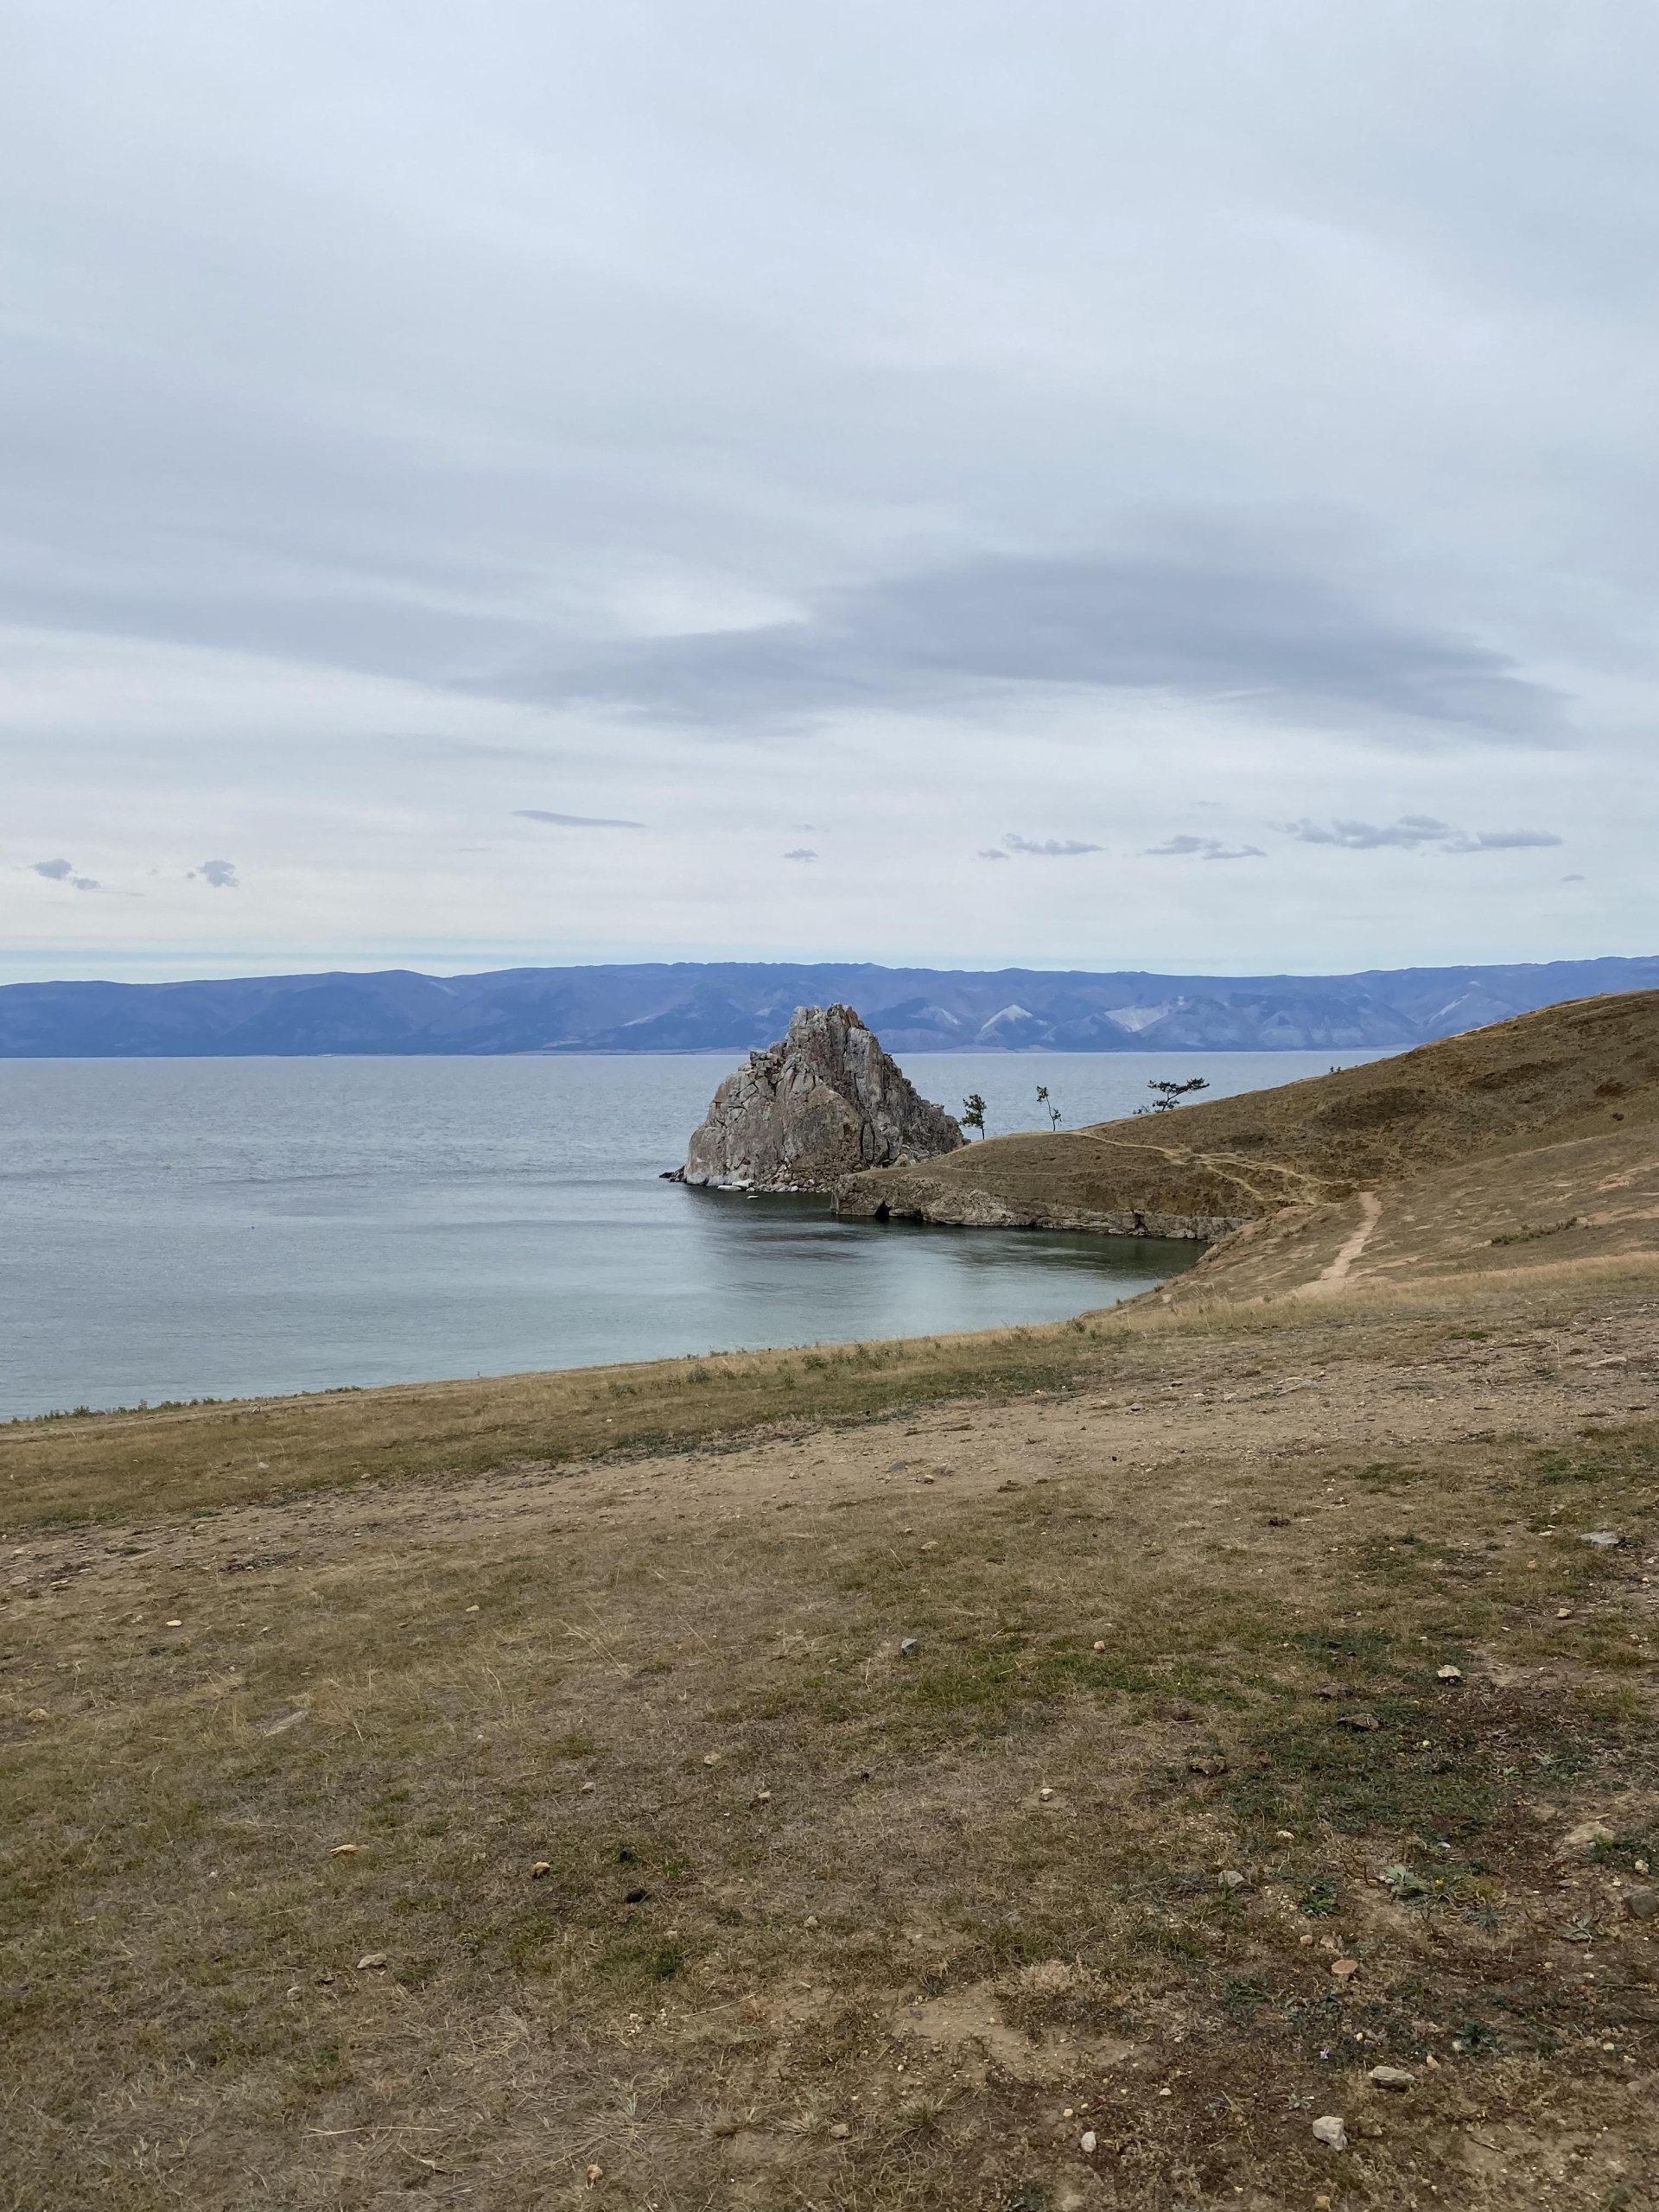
(180, 1229)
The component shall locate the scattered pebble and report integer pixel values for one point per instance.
(1344, 1969)
(1448, 1674)
(1044, 1794)
(542, 1868)
(371, 1960)
(1563, 1612)
(345, 1851)
(907, 1645)
(176, 1623)
(1391, 2077)
(38, 1713)
(588, 1787)
(1605, 1540)
(595, 2174)
(472, 1609)
(1330, 2132)
(1210, 1767)
(762, 1797)
(1099, 1646)
(1362, 1724)
(1642, 1904)
(1230, 1879)
(812, 1920)
(840, 2131)
(1087, 2141)
(711, 1758)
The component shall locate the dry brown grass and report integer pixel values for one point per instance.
(171, 1458)
(1583, 1070)
(932, 1901)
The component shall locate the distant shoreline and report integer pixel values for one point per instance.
(733, 1007)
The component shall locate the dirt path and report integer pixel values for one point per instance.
(1330, 1280)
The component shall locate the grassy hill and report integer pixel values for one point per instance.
(1583, 1070)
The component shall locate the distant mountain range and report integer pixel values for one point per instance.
(690, 1006)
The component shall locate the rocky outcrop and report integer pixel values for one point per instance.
(922, 1197)
(1113, 1181)
(821, 1105)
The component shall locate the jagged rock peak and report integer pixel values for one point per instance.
(824, 1103)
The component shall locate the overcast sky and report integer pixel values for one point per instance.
(1084, 485)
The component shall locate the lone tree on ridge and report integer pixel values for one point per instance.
(1170, 1094)
(973, 1113)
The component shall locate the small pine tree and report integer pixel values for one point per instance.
(1048, 1107)
(1169, 1094)
(973, 1113)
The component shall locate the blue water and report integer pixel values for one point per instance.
(182, 1229)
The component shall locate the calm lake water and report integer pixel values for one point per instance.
(182, 1229)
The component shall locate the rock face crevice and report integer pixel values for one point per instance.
(824, 1104)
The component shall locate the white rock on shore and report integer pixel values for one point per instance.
(821, 1104)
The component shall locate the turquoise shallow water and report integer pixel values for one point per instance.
(179, 1228)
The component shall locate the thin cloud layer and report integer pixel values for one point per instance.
(1048, 848)
(575, 821)
(1204, 848)
(1256, 634)
(1413, 831)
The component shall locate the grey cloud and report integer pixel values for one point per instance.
(800, 853)
(219, 875)
(1207, 848)
(1052, 848)
(991, 852)
(1413, 831)
(1572, 879)
(61, 871)
(1227, 622)
(575, 821)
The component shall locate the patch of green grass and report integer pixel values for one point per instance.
(1241, 1996)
